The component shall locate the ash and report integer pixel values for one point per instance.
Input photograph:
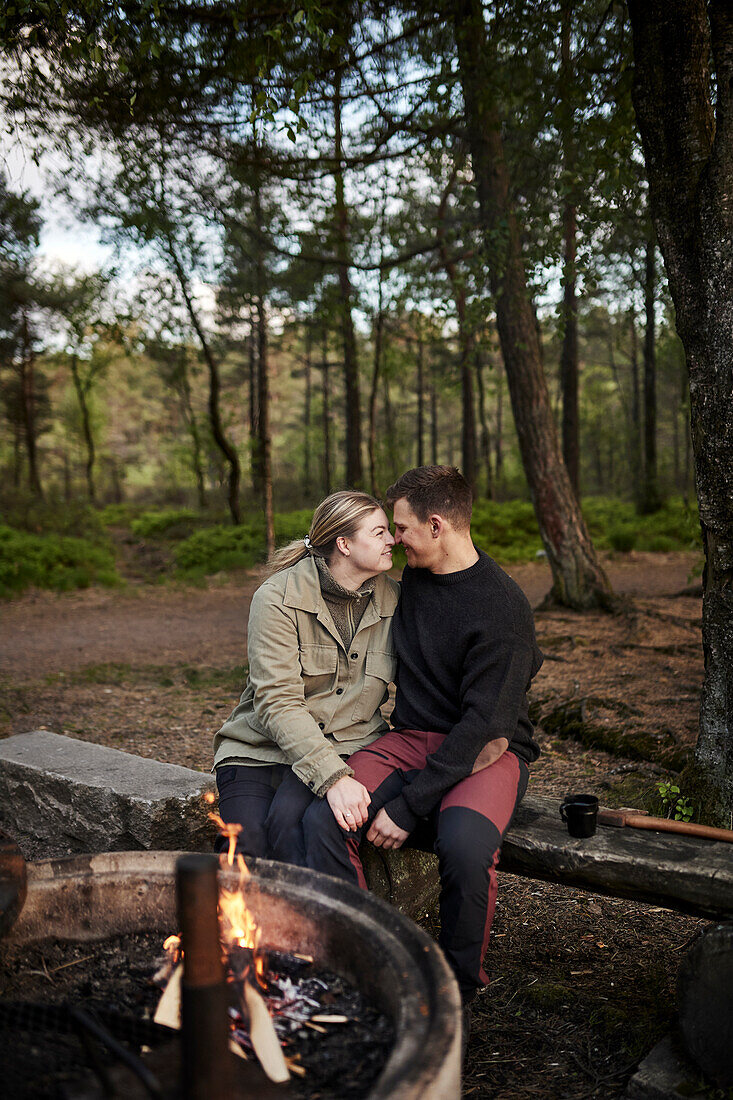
(42, 1057)
(342, 1060)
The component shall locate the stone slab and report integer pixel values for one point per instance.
(689, 874)
(666, 1074)
(91, 798)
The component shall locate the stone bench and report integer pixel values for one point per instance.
(80, 797)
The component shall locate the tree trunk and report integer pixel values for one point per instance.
(227, 449)
(307, 412)
(28, 404)
(569, 353)
(499, 437)
(254, 412)
(389, 424)
(465, 343)
(376, 372)
(433, 419)
(420, 428)
(650, 497)
(193, 431)
(81, 395)
(484, 421)
(578, 579)
(326, 397)
(354, 473)
(688, 148)
(264, 438)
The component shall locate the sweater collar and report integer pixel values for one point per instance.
(303, 590)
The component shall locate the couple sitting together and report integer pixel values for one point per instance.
(306, 763)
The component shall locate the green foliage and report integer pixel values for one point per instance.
(55, 516)
(622, 537)
(508, 531)
(674, 803)
(58, 562)
(117, 515)
(171, 523)
(217, 548)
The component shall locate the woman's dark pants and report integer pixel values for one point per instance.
(269, 803)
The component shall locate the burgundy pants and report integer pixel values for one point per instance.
(465, 830)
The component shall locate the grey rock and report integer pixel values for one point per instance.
(666, 1074)
(82, 797)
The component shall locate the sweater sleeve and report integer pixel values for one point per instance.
(495, 681)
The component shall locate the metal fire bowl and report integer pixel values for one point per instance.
(345, 929)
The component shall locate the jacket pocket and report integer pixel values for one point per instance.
(379, 670)
(319, 667)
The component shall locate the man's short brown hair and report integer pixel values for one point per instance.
(435, 490)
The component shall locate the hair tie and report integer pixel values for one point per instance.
(307, 543)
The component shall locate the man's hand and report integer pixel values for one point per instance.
(349, 799)
(384, 833)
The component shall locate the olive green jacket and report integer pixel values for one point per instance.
(307, 700)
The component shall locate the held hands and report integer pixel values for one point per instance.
(349, 799)
(384, 833)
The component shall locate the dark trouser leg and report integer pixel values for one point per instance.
(284, 822)
(245, 794)
(384, 768)
(473, 817)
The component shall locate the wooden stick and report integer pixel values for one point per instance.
(634, 819)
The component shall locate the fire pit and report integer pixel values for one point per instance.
(381, 953)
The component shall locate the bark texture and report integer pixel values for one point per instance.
(578, 578)
(354, 471)
(688, 149)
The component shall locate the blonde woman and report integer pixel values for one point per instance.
(320, 662)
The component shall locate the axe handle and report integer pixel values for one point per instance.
(662, 825)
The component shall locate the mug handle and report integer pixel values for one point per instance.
(562, 812)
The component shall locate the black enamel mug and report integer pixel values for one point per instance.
(580, 814)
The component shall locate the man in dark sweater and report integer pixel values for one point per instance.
(455, 766)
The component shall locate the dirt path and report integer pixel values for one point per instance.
(44, 632)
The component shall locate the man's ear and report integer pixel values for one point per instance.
(437, 525)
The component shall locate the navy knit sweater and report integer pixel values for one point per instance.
(467, 652)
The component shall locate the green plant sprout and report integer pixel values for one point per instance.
(674, 802)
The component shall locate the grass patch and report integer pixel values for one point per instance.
(119, 675)
(57, 562)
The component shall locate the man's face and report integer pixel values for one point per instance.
(415, 535)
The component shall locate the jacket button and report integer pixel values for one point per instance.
(321, 725)
(339, 691)
(354, 656)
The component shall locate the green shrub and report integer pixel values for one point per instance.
(658, 543)
(54, 516)
(217, 548)
(622, 537)
(168, 523)
(118, 515)
(58, 562)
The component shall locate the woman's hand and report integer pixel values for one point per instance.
(349, 799)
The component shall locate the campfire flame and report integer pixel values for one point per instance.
(244, 964)
(238, 926)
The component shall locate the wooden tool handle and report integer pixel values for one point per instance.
(636, 820)
(687, 828)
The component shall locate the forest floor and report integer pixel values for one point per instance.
(582, 986)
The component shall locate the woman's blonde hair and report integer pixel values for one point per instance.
(339, 515)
